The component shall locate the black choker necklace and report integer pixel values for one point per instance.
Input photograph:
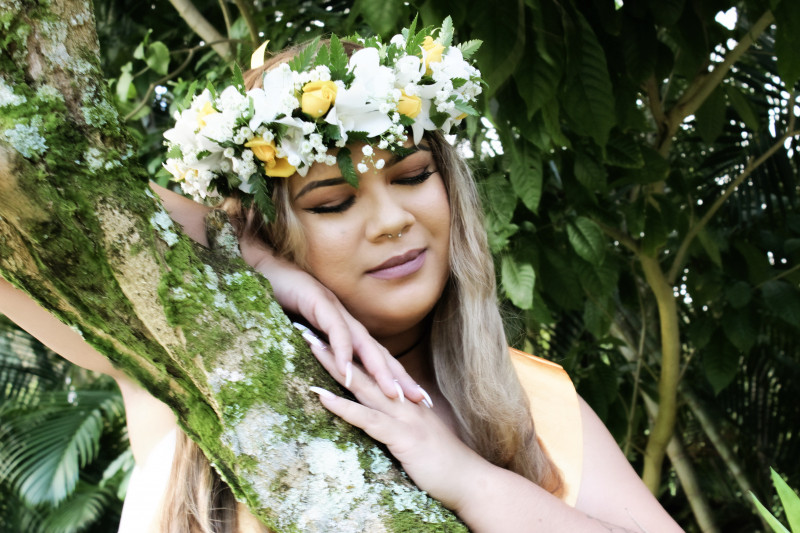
(407, 350)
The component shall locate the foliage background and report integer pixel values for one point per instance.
(640, 176)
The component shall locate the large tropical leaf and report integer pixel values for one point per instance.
(43, 448)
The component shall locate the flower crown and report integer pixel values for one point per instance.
(320, 100)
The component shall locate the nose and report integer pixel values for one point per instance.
(389, 218)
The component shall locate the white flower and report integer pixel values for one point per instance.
(408, 70)
(362, 167)
(379, 164)
(367, 150)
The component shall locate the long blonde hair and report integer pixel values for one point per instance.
(467, 341)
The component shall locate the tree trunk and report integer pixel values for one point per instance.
(81, 233)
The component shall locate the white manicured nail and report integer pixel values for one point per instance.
(399, 389)
(427, 401)
(313, 340)
(348, 375)
(322, 392)
(300, 327)
(426, 404)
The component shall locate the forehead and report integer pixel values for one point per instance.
(322, 171)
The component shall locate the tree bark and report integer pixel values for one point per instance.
(81, 233)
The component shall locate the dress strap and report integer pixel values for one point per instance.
(556, 416)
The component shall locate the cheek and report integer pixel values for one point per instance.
(328, 254)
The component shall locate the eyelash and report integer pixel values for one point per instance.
(344, 206)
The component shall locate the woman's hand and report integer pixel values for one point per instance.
(299, 292)
(435, 459)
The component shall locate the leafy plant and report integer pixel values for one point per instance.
(790, 502)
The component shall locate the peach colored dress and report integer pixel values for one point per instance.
(556, 415)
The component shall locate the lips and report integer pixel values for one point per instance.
(399, 266)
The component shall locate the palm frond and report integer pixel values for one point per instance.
(43, 448)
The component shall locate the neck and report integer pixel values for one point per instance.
(411, 348)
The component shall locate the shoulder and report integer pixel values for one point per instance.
(557, 416)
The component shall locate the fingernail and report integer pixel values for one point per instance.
(322, 392)
(427, 404)
(348, 375)
(399, 389)
(313, 340)
(300, 327)
(427, 396)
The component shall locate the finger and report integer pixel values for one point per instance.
(326, 315)
(376, 424)
(362, 385)
(412, 390)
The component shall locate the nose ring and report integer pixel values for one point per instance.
(391, 235)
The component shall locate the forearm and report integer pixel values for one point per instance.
(501, 501)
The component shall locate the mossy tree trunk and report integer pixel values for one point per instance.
(81, 233)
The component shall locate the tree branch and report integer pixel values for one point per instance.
(694, 96)
(725, 452)
(618, 236)
(195, 20)
(752, 165)
(244, 9)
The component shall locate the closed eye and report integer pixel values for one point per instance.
(415, 180)
(338, 208)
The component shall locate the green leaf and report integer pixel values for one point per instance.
(138, 53)
(742, 107)
(738, 294)
(787, 41)
(262, 195)
(498, 232)
(589, 99)
(158, 57)
(345, 162)
(46, 446)
(782, 299)
(623, 151)
(238, 77)
(526, 177)
(124, 85)
(537, 80)
(304, 59)
(468, 48)
(710, 246)
(773, 522)
(720, 363)
(739, 329)
(789, 500)
(518, 280)
(499, 197)
(587, 240)
(446, 32)
(597, 316)
(589, 172)
(380, 16)
(187, 100)
(710, 118)
(338, 58)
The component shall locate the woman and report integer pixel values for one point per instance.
(403, 252)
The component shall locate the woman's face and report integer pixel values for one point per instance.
(387, 281)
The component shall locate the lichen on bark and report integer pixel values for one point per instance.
(82, 234)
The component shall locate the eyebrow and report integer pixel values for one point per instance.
(340, 180)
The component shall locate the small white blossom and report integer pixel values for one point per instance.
(362, 168)
(367, 150)
(379, 164)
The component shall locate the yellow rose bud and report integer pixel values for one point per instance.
(206, 110)
(274, 167)
(318, 97)
(459, 117)
(409, 106)
(433, 52)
